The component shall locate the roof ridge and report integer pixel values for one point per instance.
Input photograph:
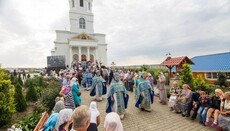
(211, 54)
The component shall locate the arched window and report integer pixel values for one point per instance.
(81, 3)
(82, 23)
(72, 3)
(91, 58)
(83, 57)
(75, 57)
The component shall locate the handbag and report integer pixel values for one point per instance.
(79, 93)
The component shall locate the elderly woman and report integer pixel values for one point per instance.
(174, 93)
(224, 117)
(113, 122)
(81, 118)
(183, 99)
(64, 120)
(144, 94)
(214, 107)
(117, 98)
(162, 89)
(51, 122)
(98, 86)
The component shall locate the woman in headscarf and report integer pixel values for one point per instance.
(162, 89)
(117, 98)
(64, 120)
(224, 117)
(75, 92)
(98, 86)
(50, 123)
(95, 117)
(113, 122)
(144, 94)
(174, 93)
(68, 97)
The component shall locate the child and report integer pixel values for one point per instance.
(203, 102)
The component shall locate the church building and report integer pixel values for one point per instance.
(80, 43)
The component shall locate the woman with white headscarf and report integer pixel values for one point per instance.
(95, 117)
(113, 122)
(64, 120)
(162, 89)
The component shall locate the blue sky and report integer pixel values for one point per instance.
(137, 32)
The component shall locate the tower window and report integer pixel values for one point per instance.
(82, 23)
(72, 3)
(81, 3)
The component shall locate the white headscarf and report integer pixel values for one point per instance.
(93, 106)
(113, 122)
(64, 116)
(73, 81)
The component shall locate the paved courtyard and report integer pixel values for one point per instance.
(160, 119)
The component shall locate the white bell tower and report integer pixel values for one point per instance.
(81, 16)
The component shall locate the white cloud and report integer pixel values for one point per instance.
(138, 32)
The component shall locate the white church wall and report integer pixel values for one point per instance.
(61, 36)
(63, 49)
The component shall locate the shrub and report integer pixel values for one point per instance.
(186, 76)
(19, 80)
(28, 123)
(28, 82)
(20, 101)
(7, 107)
(199, 81)
(222, 79)
(31, 94)
(48, 96)
(210, 90)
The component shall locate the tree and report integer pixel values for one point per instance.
(144, 67)
(7, 107)
(222, 79)
(199, 81)
(31, 94)
(20, 101)
(19, 80)
(186, 76)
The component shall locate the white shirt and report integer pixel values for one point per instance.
(226, 104)
(94, 115)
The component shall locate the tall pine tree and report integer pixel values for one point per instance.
(31, 94)
(186, 76)
(20, 101)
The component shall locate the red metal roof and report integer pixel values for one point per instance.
(176, 61)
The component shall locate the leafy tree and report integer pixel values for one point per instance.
(20, 101)
(31, 94)
(199, 81)
(222, 79)
(186, 76)
(7, 107)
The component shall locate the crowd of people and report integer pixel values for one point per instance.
(216, 107)
(70, 114)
